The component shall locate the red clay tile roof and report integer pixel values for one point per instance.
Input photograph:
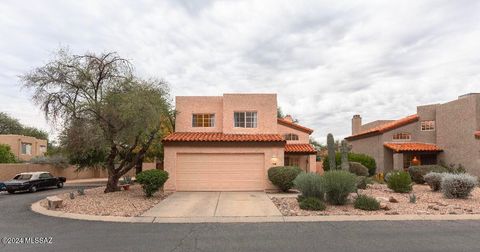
(221, 137)
(294, 125)
(300, 148)
(477, 134)
(385, 127)
(401, 147)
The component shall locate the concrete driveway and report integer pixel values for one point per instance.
(210, 204)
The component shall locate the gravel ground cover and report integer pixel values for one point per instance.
(427, 203)
(122, 203)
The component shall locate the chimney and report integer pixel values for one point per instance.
(288, 118)
(356, 124)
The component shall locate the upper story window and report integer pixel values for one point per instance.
(245, 119)
(26, 149)
(290, 136)
(402, 136)
(203, 120)
(43, 148)
(427, 125)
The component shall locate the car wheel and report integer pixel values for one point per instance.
(33, 189)
(60, 185)
(11, 192)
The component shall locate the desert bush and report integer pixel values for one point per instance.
(399, 182)
(151, 181)
(358, 169)
(57, 161)
(283, 176)
(312, 204)
(367, 203)
(363, 159)
(338, 185)
(361, 182)
(310, 185)
(6, 154)
(458, 185)
(434, 180)
(417, 172)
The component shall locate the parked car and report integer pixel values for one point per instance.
(3, 187)
(33, 181)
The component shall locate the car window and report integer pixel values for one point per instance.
(23, 177)
(45, 175)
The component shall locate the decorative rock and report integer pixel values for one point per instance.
(392, 199)
(440, 203)
(422, 212)
(392, 213)
(384, 206)
(381, 199)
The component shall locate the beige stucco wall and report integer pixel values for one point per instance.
(456, 123)
(264, 104)
(186, 106)
(302, 136)
(372, 146)
(15, 142)
(8, 171)
(269, 150)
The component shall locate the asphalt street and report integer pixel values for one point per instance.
(17, 221)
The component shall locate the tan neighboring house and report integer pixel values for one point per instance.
(25, 147)
(448, 132)
(227, 143)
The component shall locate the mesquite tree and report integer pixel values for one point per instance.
(109, 116)
(331, 152)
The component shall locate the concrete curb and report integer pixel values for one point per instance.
(36, 207)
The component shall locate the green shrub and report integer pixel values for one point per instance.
(434, 180)
(151, 180)
(283, 176)
(363, 159)
(6, 154)
(400, 182)
(458, 185)
(358, 169)
(310, 185)
(361, 182)
(338, 185)
(417, 172)
(312, 204)
(366, 203)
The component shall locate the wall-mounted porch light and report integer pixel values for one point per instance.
(274, 160)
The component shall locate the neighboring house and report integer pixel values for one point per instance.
(448, 132)
(227, 143)
(25, 147)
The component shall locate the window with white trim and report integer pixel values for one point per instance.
(26, 148)
(203, 120)
(402, 136)
(247, 119)
(427, 125)
(291, 136)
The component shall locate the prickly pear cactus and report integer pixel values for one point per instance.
(331, 152)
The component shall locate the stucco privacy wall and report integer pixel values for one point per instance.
(15, 143)
(269, 150)
(8, 171)
(372, 146)
(456, 122)
(187, 105)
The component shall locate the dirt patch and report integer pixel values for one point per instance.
(122, 203)
(427, 203)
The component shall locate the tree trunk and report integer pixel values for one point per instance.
(139, 166)
(112, 184)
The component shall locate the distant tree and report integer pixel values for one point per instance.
(110, 117)
(280, 113)
(10, 125)
(6, 154)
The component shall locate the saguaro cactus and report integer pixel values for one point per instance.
(344, 149)
(331, 152)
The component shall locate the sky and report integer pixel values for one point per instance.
(326, 60)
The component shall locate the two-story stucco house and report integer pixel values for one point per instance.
(448, 132)
(227, 143)
(25, 147)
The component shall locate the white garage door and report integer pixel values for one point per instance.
(220, 172)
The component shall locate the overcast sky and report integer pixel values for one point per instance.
(325, 60)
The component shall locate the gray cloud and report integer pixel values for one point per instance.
(326, 60)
